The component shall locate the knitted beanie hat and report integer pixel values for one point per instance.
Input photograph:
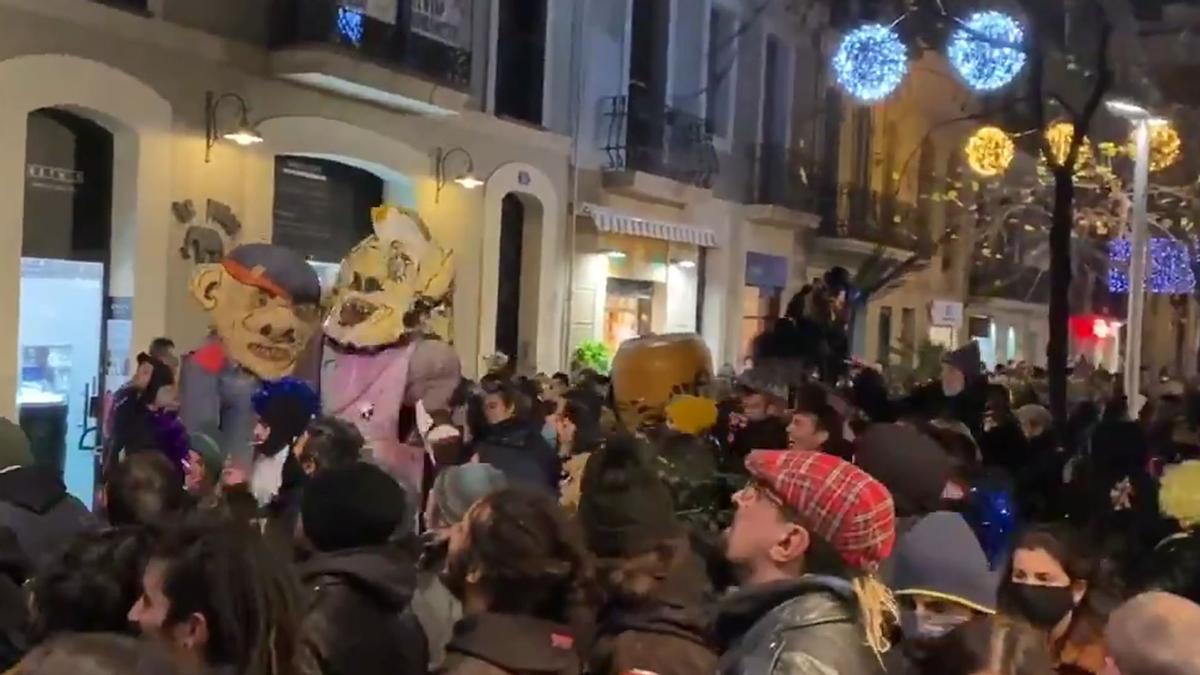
(624, 507)
(352, 506)
(940, 557)
(457, 488)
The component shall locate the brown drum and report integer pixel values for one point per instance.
(648, 372)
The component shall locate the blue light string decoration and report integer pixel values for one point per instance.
(350, 25)
(1170, 273)
(871, 62)
(980, 53)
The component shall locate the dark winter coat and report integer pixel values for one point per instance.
(966, 407)
(508, 644)
(667, 634)
(518, 449)
(34, 504)
(769, 433)
(358, 620)
(805, 626)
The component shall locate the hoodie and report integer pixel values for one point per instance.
(34, 504)
(358, 620)
(510, 644)
(666, 633)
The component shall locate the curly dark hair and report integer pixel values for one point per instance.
(249, 597)
(331, 443)
(143, 488)
(90, 587)
(529, 556)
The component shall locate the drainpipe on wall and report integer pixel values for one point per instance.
(578, 71)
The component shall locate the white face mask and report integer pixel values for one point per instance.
(927, 625)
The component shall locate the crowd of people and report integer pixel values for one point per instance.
(803, 530)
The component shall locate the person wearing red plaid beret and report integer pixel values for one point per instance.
(809, 533)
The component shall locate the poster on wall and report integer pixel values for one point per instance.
(446, 21)
(380, 10)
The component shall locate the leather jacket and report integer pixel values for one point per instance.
(805, 626)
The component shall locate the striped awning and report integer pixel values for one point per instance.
(617, 222)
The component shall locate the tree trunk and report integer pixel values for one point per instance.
(1057, 352)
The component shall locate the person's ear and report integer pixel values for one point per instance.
(1078, 590)
(192, 634)
(792, 546)
(205, 284)
(822, 436)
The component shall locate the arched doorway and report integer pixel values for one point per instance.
(322, 209)
(517, 282)
(508, 291)
(65, 269)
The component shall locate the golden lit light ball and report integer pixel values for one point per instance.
(989, 151)
(1165, 146)
(1060, 134)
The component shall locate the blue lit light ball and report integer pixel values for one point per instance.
(980, 51)
(350, 25)
(871, 62)
(1170, 267)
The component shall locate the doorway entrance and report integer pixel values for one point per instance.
(65, 255)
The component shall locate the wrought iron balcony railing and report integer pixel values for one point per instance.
(877, 218)
(786, 177)
(644, 136)
(405, 44)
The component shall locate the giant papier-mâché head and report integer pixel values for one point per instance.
(263, 301)
(395, 282)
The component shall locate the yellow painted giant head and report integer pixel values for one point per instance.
(394, 282)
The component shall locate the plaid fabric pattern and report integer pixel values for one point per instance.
(832, 498)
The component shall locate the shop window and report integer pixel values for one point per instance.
(883, 336)
(65, 254)
(521, 59)
(322, 207)
(628, 311)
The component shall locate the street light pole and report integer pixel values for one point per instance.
(1137, 268)
(1143, 122)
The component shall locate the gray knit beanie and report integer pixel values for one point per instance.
(456, 488)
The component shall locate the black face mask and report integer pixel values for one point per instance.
(1042, 606)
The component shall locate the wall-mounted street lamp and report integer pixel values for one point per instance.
(243, 134)
(465, 178)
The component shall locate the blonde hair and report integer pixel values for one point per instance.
(878, 610)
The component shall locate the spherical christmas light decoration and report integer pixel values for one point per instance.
(871, 62)
(1170, 270)
(990, 151)
(986, 50)
(1165, 146)
(1060, 134)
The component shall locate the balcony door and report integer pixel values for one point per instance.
(648, 61)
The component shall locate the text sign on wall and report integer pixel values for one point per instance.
(766, 271)
(946, 313)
